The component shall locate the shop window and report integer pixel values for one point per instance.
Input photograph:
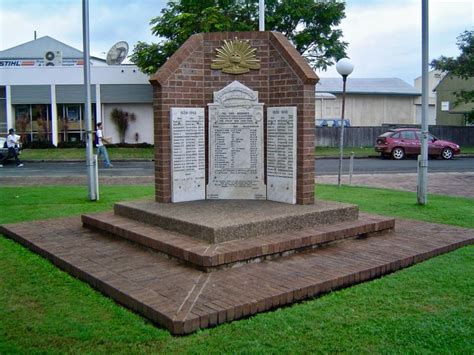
(41, 123)
(33, 122)
(23, 122)
(3, 111)
(71, 125)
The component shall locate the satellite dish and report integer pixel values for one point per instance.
(117, 53)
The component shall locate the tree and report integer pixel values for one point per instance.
(461, 67)
(122, 120)
(308, 24)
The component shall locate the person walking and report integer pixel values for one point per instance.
(13, 145)
(101, 149)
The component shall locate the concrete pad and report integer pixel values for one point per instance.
(218, 221)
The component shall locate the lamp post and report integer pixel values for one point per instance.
(344, 67)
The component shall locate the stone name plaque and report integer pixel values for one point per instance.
(236, 168)
(188, 165)
(281, 154)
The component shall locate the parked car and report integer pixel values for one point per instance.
(398, 143)
(4, 155)
(331, 122)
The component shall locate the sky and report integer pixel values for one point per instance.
(384, 35)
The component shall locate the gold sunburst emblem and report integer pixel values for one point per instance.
(235, 57)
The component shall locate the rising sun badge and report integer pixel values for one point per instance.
(235, 57)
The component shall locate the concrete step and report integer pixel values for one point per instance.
(217, 221)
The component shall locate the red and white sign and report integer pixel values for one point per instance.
(37, 62)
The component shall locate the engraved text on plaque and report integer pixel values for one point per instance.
(236, 145)
(188, 166)
(281, 154)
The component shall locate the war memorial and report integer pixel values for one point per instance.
(234, 228)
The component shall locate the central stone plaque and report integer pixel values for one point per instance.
(236, 168)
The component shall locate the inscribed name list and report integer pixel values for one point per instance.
(281, 154)
(188, 165)
(236, 169)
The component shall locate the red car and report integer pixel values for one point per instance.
(398, 143)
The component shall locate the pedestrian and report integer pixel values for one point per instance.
(13, 146)
(101, 149)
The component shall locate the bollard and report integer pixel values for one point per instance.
(96, 172)
(351, 167)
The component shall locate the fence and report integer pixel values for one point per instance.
(366, 136)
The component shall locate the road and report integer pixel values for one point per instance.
(323, 167)
(386, 166)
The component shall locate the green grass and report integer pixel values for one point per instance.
(364, 151)
(425, 308)
(334, 151)
(456, 211)
(80, 154)
(147, 153)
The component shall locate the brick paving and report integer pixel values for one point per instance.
(208, 256)
(184, 299)
(453, 184)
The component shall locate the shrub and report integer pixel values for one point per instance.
(78, 144)
(38, 145)
(130, 145)
(122, 120)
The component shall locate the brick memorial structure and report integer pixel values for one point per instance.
(234, 136)
(282, 79)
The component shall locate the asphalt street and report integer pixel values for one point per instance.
(322, 167)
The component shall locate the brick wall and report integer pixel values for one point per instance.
(187, 80)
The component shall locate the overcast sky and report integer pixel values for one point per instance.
(384, 35)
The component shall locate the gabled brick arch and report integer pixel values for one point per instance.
(187, 80)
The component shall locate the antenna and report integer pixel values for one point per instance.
(117, 53)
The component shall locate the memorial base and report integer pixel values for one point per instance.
(183, 298)
(217, 221)
(160, 273)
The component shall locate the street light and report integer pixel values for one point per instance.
(344, 67)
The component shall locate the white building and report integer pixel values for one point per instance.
(42, 93)
(434, 77)
(369, 101)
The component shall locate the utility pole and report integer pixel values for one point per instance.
(423, 158)
(91, 174)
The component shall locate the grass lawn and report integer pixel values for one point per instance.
(425, 308)
(80, 154)
(334, 151)
(147, 153)
(364, 151)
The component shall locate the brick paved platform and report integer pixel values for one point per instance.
(209, 256)
(184, 299)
